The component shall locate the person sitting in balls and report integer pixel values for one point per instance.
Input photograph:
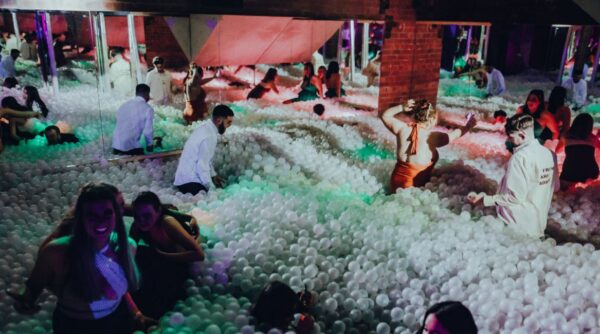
(91, 271)
(165, 249)
(55, 137)
(580, 153)
(448, 317)
(525, 193)
(276, 305)
(266, 85)
(418, 144)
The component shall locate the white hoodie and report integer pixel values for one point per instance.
(525, 193)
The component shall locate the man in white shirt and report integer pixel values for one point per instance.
(495, 81)
(576, 89)
(28, 48)
(7, 66)
(525, 193)
(120, 73)
(159, 81)
(195, 171)
(134, 119)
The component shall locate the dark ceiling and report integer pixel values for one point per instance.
(504, 11)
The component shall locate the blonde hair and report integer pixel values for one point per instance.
(421, 110)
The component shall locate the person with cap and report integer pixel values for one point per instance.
(159, 81)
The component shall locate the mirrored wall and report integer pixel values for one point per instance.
(75, 70)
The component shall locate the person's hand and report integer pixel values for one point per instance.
(218, 181)
(306, 324)
(471, 123)
(475, 198)
(158, 142)
(195, 228)
(3, 120)
(21, 305)
(143, 323)
(150, 148)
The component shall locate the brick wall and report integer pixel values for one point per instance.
(410, 58)
(161, 42)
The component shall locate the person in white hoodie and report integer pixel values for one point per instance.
(525, 193)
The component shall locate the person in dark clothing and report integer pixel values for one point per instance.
(580, 161)
(267, 83)
(32, 96)
(165, 248)
(55, 137)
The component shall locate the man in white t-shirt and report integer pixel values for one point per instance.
(576, 90)
(525, 193)
(159, 81)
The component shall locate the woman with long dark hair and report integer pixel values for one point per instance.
(333, 81)
(311, 86)
(91, 270)
(448, 317)
(545, 127)
(580, 153)
(267, 83)
(561, 112)
(165, 249)
(32, 96)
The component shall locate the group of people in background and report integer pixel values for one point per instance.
(23, 116)
(538, 130)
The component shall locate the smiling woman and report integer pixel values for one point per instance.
(164, 250)
(90, 270)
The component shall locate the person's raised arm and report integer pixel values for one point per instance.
(315, 81)
(274, 87)
(192, 250)
(40, 278)
(205, 81)
(391, 122)
(15, 113)
(457, 133)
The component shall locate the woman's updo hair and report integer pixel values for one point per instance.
(421, 110)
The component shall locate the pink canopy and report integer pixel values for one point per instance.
(243, 40)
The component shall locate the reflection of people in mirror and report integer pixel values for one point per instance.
(159, 81)
(312, 87)
(120, 73)
(373, 70)
(134, 119)
(333, 81)
(195, 96)
(266, 85)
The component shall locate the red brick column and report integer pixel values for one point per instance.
(411, 57)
